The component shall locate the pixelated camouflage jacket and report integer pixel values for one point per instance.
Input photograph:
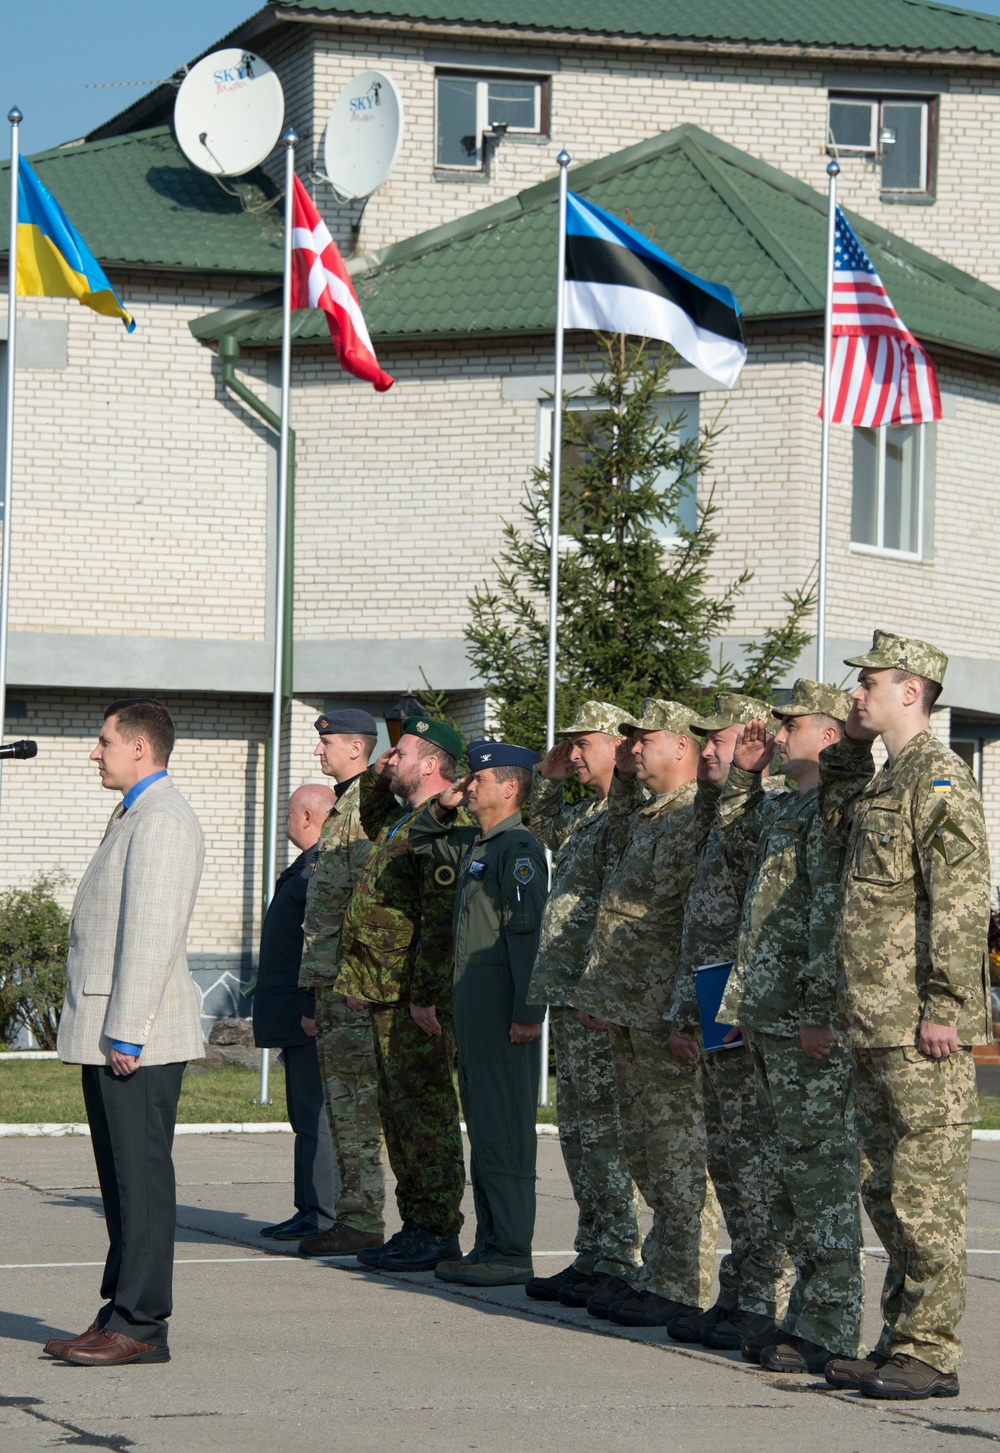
(577, 836)
(343, 848)
(915, 899)
(786, 970)
(396, 939)
(636, 949)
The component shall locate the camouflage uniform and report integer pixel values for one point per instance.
(628, 980)
(912, 943)
(397, 951)
(608, 1226)
(344, 1036)
(785, 975)
(755, 1275)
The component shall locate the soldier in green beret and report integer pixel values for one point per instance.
(784, 991)
(912, 939)
(397, 963)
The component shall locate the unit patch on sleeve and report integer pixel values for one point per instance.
(444, 876)
(524, 870)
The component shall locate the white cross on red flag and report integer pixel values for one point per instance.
(320, 280)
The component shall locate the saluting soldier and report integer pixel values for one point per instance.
(608, 1233)
(784, 991)
(912, 940)
(501, 879)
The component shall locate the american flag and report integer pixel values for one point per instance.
(880, 373)
(320, 280)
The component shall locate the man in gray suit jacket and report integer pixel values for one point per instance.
(132, 1018)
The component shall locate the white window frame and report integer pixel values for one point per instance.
(483, 79)
(879, 548)
(966, 737)
(876, 103)
(681, 403)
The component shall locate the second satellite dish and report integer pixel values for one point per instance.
(229, 112)
(363, 135)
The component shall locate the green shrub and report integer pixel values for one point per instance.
(34, 938)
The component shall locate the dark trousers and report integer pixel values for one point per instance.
(132, 1131)
(316, 1180)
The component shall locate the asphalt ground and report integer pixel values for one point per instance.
(274, 1352)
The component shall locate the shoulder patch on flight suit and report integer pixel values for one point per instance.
(524, 870)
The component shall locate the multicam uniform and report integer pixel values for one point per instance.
(590, 1133)
(344, 1035)
(629, 980)
(785, 975)
(397, 950)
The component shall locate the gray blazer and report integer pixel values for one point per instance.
(127, 975)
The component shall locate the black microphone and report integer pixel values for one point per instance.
(19, 749)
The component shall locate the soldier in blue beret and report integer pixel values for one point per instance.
(501, 886)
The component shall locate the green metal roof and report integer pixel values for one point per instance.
(138, 202)
(718, 211)
(856, 24)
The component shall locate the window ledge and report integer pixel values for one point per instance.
(459, 174)
(908, 199)
(904, 556)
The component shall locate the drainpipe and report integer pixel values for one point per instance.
(229, 352)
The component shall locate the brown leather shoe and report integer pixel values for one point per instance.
(109, 1349)
(55, 1345)
(339, 1240)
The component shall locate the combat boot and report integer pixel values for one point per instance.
(848, 1371)
(795, 1354)
(769, 1335)
(690, 1325)
(420, 1251)
(646, 1309)
(601, 1302)
(550, 1288)
(907, 1378)
(578, 1294)
(371, 1256)
(729, 1335)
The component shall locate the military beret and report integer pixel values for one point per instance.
(902, 653)
(500, 754)
(349, 722)
(594, 716)
(728, 709)
(812, 698)
(438, 732)
(660, 716)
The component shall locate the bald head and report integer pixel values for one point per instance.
(308, 809)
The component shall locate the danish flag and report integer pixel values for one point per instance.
(320, 280)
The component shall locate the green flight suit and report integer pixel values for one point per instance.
(502, 883)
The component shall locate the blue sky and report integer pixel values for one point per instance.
(53, 49)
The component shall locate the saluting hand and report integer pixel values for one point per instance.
(556, 765)
(381, 766)
(854, 727)
(754, 748)
(456, 795)
(624, 760)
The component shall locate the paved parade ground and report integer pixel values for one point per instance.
(272, 1352)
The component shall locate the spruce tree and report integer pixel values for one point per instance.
(638, 615)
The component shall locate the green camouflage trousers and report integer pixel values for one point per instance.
(663, 1128)
(609, 1230)
(915, 1134)
(756, 1275)
(811, 1164)
(347, 1066)
(419, 1108)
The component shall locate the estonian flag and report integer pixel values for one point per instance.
(617, 282)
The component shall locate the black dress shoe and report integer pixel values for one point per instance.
(293, 1229)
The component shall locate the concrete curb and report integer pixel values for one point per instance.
(54, 1129)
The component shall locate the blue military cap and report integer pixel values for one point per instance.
(500, 754)
(349, 722)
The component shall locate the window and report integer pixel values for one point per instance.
(893, 131)
(469, 105)
(887, 505)
(680, 410)
(970, 749)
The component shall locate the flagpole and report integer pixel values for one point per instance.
(832, 171)
(289, 140)
(563, 160)
(14, 117)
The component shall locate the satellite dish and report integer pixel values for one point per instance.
(363, 135)
(229, 112)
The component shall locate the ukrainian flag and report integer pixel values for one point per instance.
(53, 261)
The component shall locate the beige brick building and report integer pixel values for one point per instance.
(144, 507)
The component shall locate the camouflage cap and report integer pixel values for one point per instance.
(730, 708)
(903, 653)
(660, 716)
(594, 716)
(438, 732)
(815, 698)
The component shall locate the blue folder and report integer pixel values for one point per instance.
(710, 982)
